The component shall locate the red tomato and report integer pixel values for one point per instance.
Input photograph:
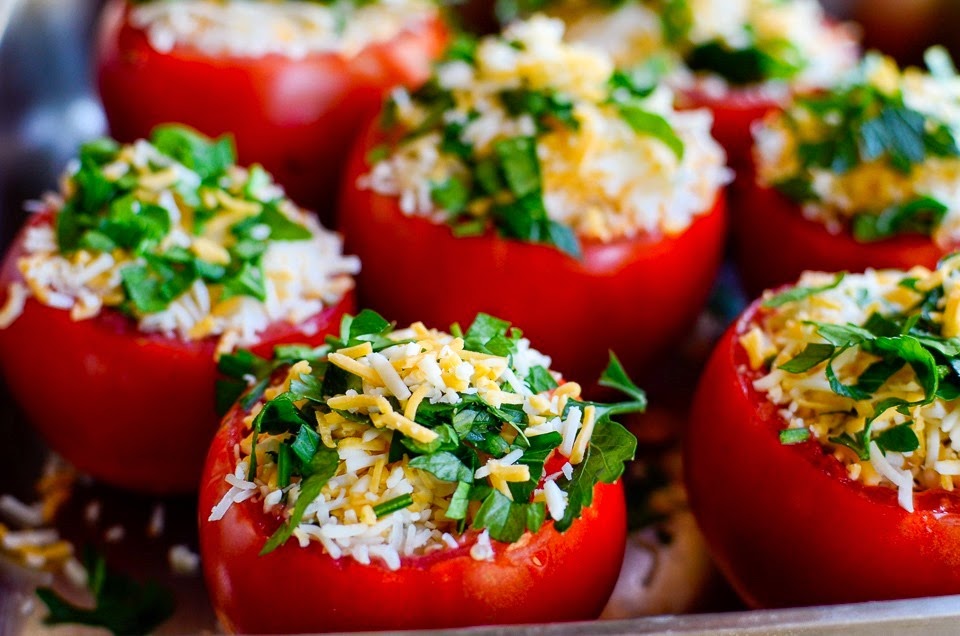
(785, 524)
(635, 296)
(294, 116)
(545, 577)
(774, 243)
(733, 114)
(132, 409)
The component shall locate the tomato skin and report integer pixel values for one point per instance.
(294, 116)
(763, 213)
(636, 296)
(785, 524)
(734, 113)
(132, 409)
(546, 577)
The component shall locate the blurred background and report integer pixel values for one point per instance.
(48, 106)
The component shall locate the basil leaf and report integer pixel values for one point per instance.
(795, 294)
(281, 227)
(208, 158)
(121, 605)
(900, 439)
(812, 355)
(919, 216)
(521, 167)
(610, 447)
(460, 502)
(540, 380)
(507, 520)
(791, 436)
(321, 468)
(443, 465)
(646, 123)
(451, 195)
(615, 377)
(305, 444)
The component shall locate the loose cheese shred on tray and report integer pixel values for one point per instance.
(864, 364)
(405, 472)
(209, 250)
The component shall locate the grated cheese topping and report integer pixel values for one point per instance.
(462, 445)
(211, 250)
(889, 339)
(606, 158)
(876, 156)
(293, 29)
(708, 44)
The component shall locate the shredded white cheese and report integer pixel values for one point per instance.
(257, 28)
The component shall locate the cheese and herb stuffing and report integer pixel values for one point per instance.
(878, 155)
(867, 365)
(713, 44)
(545, 142)
(291, 28)
(390, 443)
(173, 234)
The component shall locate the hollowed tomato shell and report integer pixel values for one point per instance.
(636, 296)
(132, 409)
(297, 117)
(543, 578)
(785, 524)
(774, 243)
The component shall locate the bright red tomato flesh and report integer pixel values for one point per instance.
(733, 114)
(294, 116)
(543, 578)
(785, 524)
(774, 243)
(636, 296)
(132, 409)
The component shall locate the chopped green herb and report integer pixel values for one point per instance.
(795, 294)
(121, 605)
(393, 505)
(790, 436)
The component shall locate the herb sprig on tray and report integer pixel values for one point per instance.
(467, 432)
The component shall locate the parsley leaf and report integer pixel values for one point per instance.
(122, 605)
(508, 520)
(800, 293)
(322, 467)
(646, 123)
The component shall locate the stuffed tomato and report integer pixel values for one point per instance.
(452, 480)
(531, 180)
(860, 176)
(291, 85)
(120, 295)
(741, 60)
(821, 457)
